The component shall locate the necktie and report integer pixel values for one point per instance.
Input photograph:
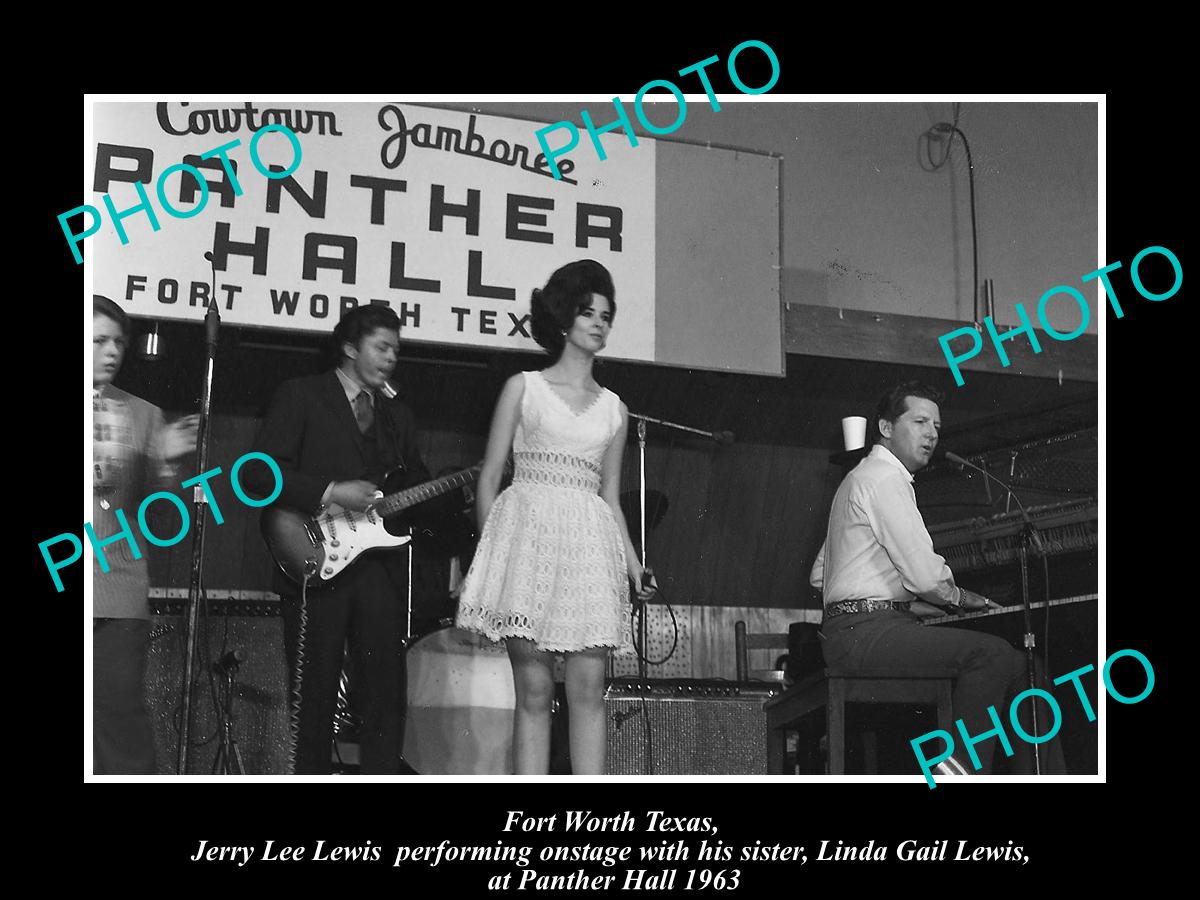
(364, 413)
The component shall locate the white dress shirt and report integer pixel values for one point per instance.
(877, 546)
(353, 389)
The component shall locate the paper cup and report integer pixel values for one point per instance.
(854, 432)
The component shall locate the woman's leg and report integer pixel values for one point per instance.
(533, 680)
(585, 700)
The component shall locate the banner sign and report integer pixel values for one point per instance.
(449, 217)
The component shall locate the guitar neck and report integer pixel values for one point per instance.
(939, 620)
(401, 500)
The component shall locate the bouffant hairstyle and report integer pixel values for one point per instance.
(102, 306)
(894, 403)
(359, 323)
(553, 308)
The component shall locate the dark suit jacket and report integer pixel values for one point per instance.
(310, 431)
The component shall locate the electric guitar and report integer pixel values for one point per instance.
(319, 548)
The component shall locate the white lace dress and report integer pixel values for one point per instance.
(550, 565)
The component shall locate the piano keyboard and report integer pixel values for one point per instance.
(941, 620)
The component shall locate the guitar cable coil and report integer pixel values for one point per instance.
(294, 717)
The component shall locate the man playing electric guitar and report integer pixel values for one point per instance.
(335, 436)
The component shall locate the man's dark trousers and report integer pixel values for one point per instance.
(988, 670)
(364, 605)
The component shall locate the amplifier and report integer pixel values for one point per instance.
(696, 727)
(260, 708)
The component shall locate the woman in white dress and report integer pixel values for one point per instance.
(552, 570)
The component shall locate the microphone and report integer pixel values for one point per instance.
(228, 664)
(212, 324)
(212, 317)
(1035, 539)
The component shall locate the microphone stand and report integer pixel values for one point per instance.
(643, 626)
(228, 760)
(721, 437)
(1029, 539)
(212, 325)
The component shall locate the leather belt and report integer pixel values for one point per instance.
(846, 607)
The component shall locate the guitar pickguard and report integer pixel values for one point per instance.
(346, 535)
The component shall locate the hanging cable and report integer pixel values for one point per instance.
(640, 610)
(951, 128)
(294, 712)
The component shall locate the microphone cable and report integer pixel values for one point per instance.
(294, 711)
(640, 610)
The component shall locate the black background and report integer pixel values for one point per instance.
(144, 835)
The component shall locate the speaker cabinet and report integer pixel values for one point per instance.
(260, 709)
(696, 727)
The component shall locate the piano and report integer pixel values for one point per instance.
(962, 618)
(982, 553)
(983, 543)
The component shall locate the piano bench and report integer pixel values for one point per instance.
(832, 689)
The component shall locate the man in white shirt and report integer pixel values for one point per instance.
(879, 575)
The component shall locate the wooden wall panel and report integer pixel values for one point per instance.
(743, 525)
(913, 340)
(706, 646)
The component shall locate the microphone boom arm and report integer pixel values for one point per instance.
(721, 437)
(1035, 538)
